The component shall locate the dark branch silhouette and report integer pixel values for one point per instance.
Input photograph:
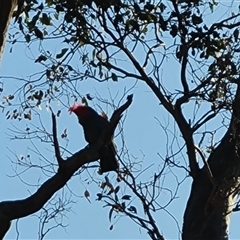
(10, 210)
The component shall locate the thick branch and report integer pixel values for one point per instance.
(10, 210)
(215, 204)
(175, 111)
(6, 12)
(187, 134)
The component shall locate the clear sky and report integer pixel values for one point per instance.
(144, 138)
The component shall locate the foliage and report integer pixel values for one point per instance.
(113, 41)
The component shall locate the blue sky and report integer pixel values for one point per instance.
(144, 138)
(84, 215)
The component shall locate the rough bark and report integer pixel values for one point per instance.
(211, 201)
(6, 12)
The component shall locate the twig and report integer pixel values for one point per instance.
(10, 210)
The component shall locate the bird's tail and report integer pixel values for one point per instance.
(108, 161)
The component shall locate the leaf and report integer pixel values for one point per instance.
(99, 195)
(103, 185)
(202, 55)
(114, 77)
(196, 19)
(40, 7)
(41, 58)
(110, 214)
(63, 51)
(162, 7)
(56, 15)
(34, 20)
(92, 63)
(87, 195)
(27, 38)
(84, 101)
(27, 116)
(126, 197)
(107, 179)
(45, 19)
(70, 68)
(38, 95)
(38, 33)
(58, 113)
(89, 97)
(116, 198)
(10, 97)
(111, 189)
(174, 30)
(64, 135)
(137, 8)
(56, 89)
(93, 53)
(15, 115)
(193, 52)
(236, 34)
(49, 2)
(132, 209)
(84, 58)
(119, 179)
(117, 189)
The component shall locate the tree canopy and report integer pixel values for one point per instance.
(184, 56)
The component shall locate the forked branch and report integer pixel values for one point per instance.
(10, 210)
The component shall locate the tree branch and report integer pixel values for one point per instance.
(6, 12)
(184, 52)
(10, 210)
(175, 111)
(187, 134)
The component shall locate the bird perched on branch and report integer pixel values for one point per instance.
(93, 125)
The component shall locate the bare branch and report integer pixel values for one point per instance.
(204, 119)
(10, 210)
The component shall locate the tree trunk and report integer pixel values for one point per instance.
(6, 11)
(211, 201)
